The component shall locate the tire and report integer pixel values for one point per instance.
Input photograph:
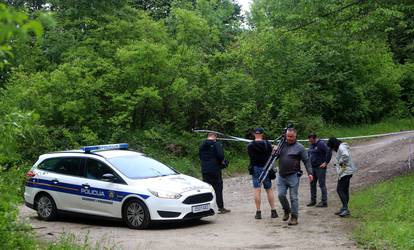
(46, 207)
(136, 214)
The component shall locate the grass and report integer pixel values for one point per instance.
(68, 241)
(387, 126)
(385, 214)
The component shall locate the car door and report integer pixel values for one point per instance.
(103, 196)
(62, 177)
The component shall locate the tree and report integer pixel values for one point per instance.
(13, 24)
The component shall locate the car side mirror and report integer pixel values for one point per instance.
(108, 177)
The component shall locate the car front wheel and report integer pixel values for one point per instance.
(46, 207)
(136, 214)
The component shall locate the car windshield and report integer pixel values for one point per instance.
(140, 167)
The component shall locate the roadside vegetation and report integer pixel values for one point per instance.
(385, 214)
(386, 126)
(16, 234)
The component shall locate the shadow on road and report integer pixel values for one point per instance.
(95, 222)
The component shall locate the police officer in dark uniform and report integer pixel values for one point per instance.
(319, 155)
(211, 155)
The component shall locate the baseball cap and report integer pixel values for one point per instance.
(258, 131)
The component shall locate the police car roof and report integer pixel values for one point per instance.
(117, 153)
(102, 153)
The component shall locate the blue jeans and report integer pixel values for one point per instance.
(257, 171)
(284, 183)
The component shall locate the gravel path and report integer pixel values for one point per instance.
(318, 228)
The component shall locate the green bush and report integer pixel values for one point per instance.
(13, 233)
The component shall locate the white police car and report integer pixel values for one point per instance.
(114, 182)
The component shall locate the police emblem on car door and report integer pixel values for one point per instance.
(101, 183)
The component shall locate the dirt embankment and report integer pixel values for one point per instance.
(318, 228)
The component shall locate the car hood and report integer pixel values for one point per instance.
(173, 183)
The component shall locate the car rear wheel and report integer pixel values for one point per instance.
(136, 214)
(46, 207)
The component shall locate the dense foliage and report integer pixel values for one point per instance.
(78, 72)
(146, 71)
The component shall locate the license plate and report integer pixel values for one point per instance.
(201, 208)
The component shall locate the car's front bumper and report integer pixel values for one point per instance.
(175, 209)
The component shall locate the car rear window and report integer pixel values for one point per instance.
(63, 165)
(140, 167)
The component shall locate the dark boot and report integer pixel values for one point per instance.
(293, 220)
(258, 215)
(339, 211)
(311, 204)
(273, 213)
(286, 215)
(223, 210)
(345, 213)
(322, 204)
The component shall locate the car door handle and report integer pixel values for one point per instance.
(86, 186)
(55, 181)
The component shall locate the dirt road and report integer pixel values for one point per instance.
(318, 228)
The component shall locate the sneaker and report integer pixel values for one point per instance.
(311, 204)
(345, 213)
(223, 210)
(258, 215)
(322, 204)
(286, 215)
(293, 220)
(273, 213)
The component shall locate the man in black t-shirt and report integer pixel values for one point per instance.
(259, 152)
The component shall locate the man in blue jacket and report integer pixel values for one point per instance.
(211, 155)
(319, 155)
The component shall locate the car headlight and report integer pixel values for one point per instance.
(165, 194)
